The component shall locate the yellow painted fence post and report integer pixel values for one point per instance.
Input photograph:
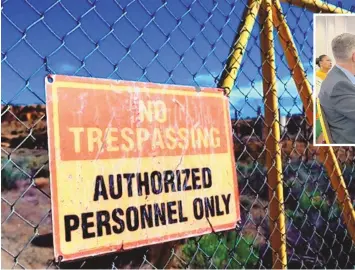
(327, 155)
(317, 6)
(273, 151)
(240, 43)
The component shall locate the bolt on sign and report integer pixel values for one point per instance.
(134, 164)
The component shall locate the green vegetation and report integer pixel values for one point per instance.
(21, 168)
(309, 202)
(225, 251)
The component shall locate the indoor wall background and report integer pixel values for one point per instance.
(326, 28)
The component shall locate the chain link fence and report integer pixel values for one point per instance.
(183, 42)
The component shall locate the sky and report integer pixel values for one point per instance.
(183, 42)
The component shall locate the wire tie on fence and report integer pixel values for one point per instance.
(60, 258)
(238, 226)
(50, 79)
(226, 91)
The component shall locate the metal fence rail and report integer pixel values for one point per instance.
(296, 199)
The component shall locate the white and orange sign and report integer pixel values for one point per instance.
(135, 164)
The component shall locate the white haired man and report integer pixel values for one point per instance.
(337, 93)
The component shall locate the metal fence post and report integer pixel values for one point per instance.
(317, 6)
(331, 164)
(273, 153)
(240, 43)
(327, 155)
(293, 60)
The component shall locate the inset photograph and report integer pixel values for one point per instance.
(334, 80)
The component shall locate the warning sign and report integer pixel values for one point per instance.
(135, 164)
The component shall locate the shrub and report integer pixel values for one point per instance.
(10, 172)
(228, 250)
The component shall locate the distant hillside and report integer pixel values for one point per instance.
(24, 113)
(26, 127)
(17, 121)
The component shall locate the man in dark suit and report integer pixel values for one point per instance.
(337, 92)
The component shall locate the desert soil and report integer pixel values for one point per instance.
(26, 210)
(25, 213)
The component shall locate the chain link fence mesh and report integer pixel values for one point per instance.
(177, 42)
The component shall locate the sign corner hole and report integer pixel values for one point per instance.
(50, 78)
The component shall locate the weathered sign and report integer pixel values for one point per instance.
(135, 164)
